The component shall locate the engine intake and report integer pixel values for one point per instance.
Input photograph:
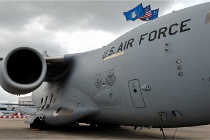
(22, 71)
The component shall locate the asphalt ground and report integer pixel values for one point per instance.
(17, 129)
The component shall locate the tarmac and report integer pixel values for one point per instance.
(15, 128)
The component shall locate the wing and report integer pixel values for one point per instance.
(17, 104)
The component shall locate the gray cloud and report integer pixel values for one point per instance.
(6, 96)
(44, 40)
(65, 16)
(101, 15)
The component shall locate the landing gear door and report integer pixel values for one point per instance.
(135, 93)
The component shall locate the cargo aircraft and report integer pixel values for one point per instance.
(156, 75)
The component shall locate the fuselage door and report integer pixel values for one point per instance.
(135, 93)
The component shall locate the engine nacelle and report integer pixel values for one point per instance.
(22, 71)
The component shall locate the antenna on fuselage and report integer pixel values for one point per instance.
(162, 117)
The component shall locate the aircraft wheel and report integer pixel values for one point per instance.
(31, 125)
(42, 126)
(93, 125)
(38, 124)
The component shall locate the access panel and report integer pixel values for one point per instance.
(135, 93)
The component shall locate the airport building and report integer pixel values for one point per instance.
(25, 109)
(25, 100)
(24, 106)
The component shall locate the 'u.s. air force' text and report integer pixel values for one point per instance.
(153, 35)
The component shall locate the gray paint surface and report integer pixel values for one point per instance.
(159, 67)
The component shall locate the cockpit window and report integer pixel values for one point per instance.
(208, 18)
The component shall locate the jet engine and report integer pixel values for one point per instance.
(22, 70)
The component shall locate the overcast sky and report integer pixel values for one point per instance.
(62, 27)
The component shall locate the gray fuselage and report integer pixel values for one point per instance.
(160, 66)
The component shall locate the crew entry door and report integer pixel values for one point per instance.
(135, 93)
